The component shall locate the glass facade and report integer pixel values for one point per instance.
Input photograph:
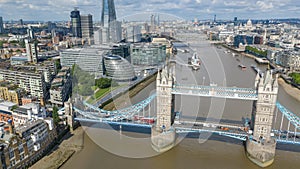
(147, 54)
(76, 23)
(108, 12)
(118, 68)
(88, 59)
(87, 26)
(1, 25)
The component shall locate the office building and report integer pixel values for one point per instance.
(133, 34)
(30, 32)
(76, 23)
(88, 59)
(1, 25)
(87, 26)
(108, 12)
(121, 49)
(247, 39)
(111, 30)
(164, 41)
(147, 54)
(21, 22)
(118, 68)
(235, 21)
(51, 26)
(115, 31)
(31, 51)
(152, 20)
(101, 36)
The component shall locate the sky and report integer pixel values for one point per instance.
(58, 10)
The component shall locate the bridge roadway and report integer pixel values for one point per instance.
(235, 132)
(126, 116)
(211, 124)
(215, 91)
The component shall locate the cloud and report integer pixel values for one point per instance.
(224, 9)
(264, 6)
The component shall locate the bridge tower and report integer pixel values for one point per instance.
(261, 145)
(163, 135)
(70, 114)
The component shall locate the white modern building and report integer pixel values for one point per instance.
(88, 59)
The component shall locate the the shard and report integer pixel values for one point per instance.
(108, 12)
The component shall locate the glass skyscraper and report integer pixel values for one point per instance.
(111, 30)
(108, 12)
(76, 23)
(86, 26)
(1, 25)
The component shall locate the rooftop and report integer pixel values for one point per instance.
(9, 85)
(112, 57)
(7, 66)
(28, 126)
(21, 110)
(7, 104)
(57, 80)
(61, 74)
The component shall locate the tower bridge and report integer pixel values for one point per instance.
(260, 134)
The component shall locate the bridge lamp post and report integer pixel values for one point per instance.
(203, 79)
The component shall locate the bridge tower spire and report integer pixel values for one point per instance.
(162, 133)
(261, 145)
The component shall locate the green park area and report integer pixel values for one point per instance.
(257, 52)
(296, 77)
(92, 89)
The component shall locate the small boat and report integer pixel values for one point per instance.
(243, 67)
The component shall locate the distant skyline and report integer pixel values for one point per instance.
(59, 10)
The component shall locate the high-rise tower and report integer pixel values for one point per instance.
(76, 23)
(111, 30)
(108, 12)
(87, 26)
(1, 25)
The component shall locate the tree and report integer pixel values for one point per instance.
(296, 77)
(82, 81)
(57, 64)
(103, 83)
(22, 43)
(1, 44)
(55, 115)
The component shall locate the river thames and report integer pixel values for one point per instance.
(218, 68)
